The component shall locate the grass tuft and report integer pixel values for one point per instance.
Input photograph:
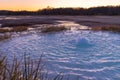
(53, 29)
(4, 30)
(4, 37)
(24, 69)
(14, 29)
(107, 28)
(19, 29)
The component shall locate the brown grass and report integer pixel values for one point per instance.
(53, 29)
(19, 29)
(111, 28)
(13, 29)
(4, 30)
(4, 37)
(24, 69)
(107, 28)
(14, 70)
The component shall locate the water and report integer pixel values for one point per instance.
(86, 55)
(72, 25)
(14, 17)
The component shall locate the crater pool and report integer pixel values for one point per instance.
(86, 55)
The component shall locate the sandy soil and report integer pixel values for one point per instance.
(91, 21)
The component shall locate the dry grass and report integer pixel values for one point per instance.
(19, 29)
(14, 29)
(2, 30)
(4, 37)
(111, 28)
(15, 71)
(53, 29)
(25, 28)
(25, 69)
(107, 28)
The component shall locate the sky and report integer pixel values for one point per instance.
(32, 5)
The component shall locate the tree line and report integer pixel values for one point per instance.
(103, 10)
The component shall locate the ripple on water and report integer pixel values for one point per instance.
(87, 54)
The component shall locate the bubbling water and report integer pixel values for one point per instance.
(83, 43)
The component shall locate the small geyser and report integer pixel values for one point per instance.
(83, 43)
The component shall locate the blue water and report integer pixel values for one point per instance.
(84, 55)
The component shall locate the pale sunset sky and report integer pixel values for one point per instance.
(32, 5)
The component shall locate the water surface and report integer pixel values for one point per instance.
(86, 55)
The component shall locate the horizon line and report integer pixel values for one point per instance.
(50, 7)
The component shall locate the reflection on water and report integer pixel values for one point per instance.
(14, 17)
(68, 23)
(73, 26)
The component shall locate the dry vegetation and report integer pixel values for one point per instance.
(13, 29)
(26, 69)
(107, 28)
(25, 28)
(4, 30)
(19, 29)
(53, 29)
(4, 37)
